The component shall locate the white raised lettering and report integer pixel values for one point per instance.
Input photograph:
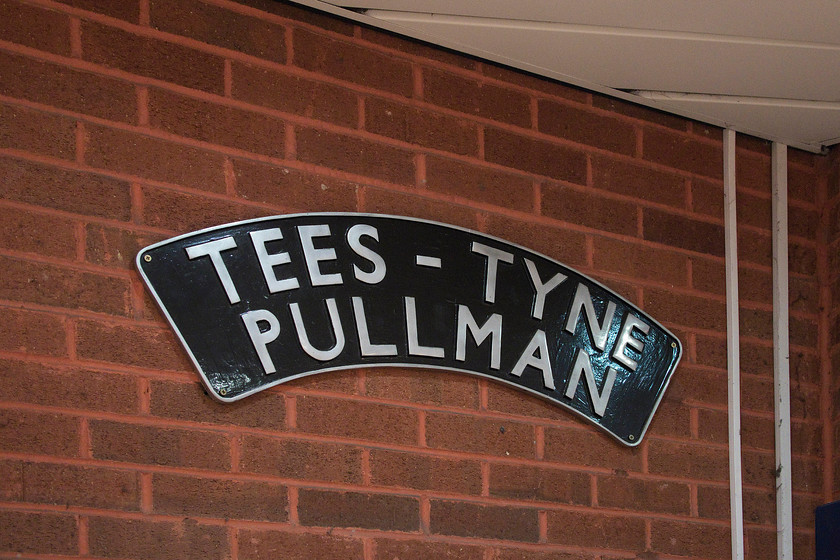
(303, 337)
(600, 331)
(540, 289)
(314, 256)
(599, 399)
(268, 262)
(493, 257)
(492, 327)
(626, 338)
(259, 338)
(367, 348)
(529, 357)
(414, 346)
(213, 249)
(354, 235)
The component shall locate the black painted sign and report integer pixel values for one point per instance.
(265, 301)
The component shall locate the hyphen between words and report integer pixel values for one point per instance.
(263, 326)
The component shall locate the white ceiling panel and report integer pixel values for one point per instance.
(770, 68)
(646, 59)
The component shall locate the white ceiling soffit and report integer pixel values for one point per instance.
(770, 68)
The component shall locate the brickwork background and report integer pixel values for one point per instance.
(124, 123)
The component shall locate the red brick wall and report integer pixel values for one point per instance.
(124, 123)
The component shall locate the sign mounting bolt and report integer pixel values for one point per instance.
(147, 258)
(223, 392)
(631, 437)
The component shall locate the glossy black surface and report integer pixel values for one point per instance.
(213, 331)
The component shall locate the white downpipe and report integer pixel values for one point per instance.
(733, 351)
(781, 355)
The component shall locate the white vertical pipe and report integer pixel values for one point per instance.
(781, 355)
(733, 338)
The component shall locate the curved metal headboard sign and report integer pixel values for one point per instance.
(264, 301)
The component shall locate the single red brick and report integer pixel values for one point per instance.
(681, 151)
(806, 438)
(752, 170)
(139, 444)
(535, 156)
(128, 11)
(146, 347)
(589, 209)
(294, 94)
(25, 129)
(216, 124)
(428, 387)
(389, 202)
(190, 402)
(803, 222)
(689, 311)
(638, 261)
(685, 233)
(595, 530)
(343, 381)
(268, 545)
(698, 385)
(290, 188)
(352, 62)
(59, 286)
(504, 398)
(354, 509)
(420, 126)
(34, 27)
(753, 210)
(672, 419)
(559, 243)
(32, 333)
(11, 473)
(151, 158)
(634, 494)
(690, 539)
(475, 434)
(473, 97)
(757, 248)
(589, 448)
(357, 420)
(355, 155)
(688, 460)
(38, 533)
(32, 232)
(152, 58)
(713, 502)
(638, 181)
(539, 484)
(304, 460)
(639, 112)
(386, 549)
(802, 185)
(163, 540)
(115, 247)
(585, 126)
(531, 554)
(707, 198)
(466, 519)
(481, 184)
(423, 472)
(43, 434)
(50, 187)
(74, 90)
(182, 212)
(68, 387)
(70, 485)
(220, 27)
(227, 499)
(527, 80)
(803, 258)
